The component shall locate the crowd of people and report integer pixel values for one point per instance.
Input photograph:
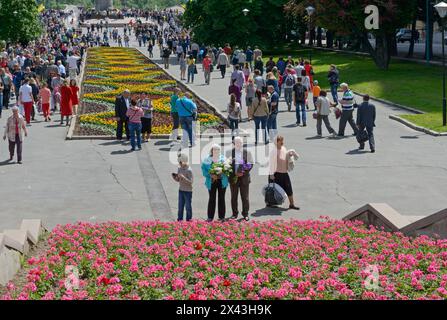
(40, 77)
(261, 84)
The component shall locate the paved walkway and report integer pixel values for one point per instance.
(332, 178)
(67, 181)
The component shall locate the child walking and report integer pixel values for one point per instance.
(315, 93)
(185, 179)
(45, 97)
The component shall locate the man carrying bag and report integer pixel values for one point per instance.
(366, 117)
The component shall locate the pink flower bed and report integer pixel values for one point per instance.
(273, 260)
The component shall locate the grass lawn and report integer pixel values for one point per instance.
(411, 84)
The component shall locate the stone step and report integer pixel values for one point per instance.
(34, 228)
(17, 240)
(379, 215)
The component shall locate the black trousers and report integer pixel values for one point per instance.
(6, 95)
(242, 185)
(223, 69)
(122, 124)
(216, 189)
(347, 116)
(370, 130)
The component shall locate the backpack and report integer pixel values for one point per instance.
(290, 81)
(300, 93)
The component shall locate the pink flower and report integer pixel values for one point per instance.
(178, 284)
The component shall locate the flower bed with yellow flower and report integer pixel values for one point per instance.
(109, 71)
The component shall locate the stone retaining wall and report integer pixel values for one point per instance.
(15, 244)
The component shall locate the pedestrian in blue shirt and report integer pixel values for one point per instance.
(187, 112)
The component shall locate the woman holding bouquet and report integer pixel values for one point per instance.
(216, 169)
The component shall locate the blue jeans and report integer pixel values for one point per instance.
(334, 93)
(234, 125)
(135, 129)
(186, 123)
(190, 75)
(261, 122)
(272, 124)
(300, 106)
(184, 200)
(1, 103)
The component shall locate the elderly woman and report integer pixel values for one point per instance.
(215, 183)
(15, 128)
(281, 162)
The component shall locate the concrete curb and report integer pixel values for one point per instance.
(417, 128)
(393, 104)
(16, 244)
(81, 77)
(359, 53)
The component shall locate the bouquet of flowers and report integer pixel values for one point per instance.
(221, 168)
(242, 169)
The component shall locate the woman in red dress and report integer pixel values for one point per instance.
(66, 102)
(309, 72)
(75, 95)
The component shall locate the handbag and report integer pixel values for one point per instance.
(337, 113)
(193, 113)
(362, 136)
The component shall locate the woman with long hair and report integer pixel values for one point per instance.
(234, 114)
(260, 112)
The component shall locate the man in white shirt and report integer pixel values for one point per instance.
(73, 65)
(26, 99)
(61, 68)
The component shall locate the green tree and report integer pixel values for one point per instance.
(347, 17)
(221, 21)
(20, 20)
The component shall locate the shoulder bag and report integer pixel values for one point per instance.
(193, 113)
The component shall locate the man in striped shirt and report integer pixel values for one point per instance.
(347, 104)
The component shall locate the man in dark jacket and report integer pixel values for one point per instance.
(122, 103)
(366, 117)
(242, 163)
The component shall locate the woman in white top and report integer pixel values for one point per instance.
(234, 114)
(323, 106)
